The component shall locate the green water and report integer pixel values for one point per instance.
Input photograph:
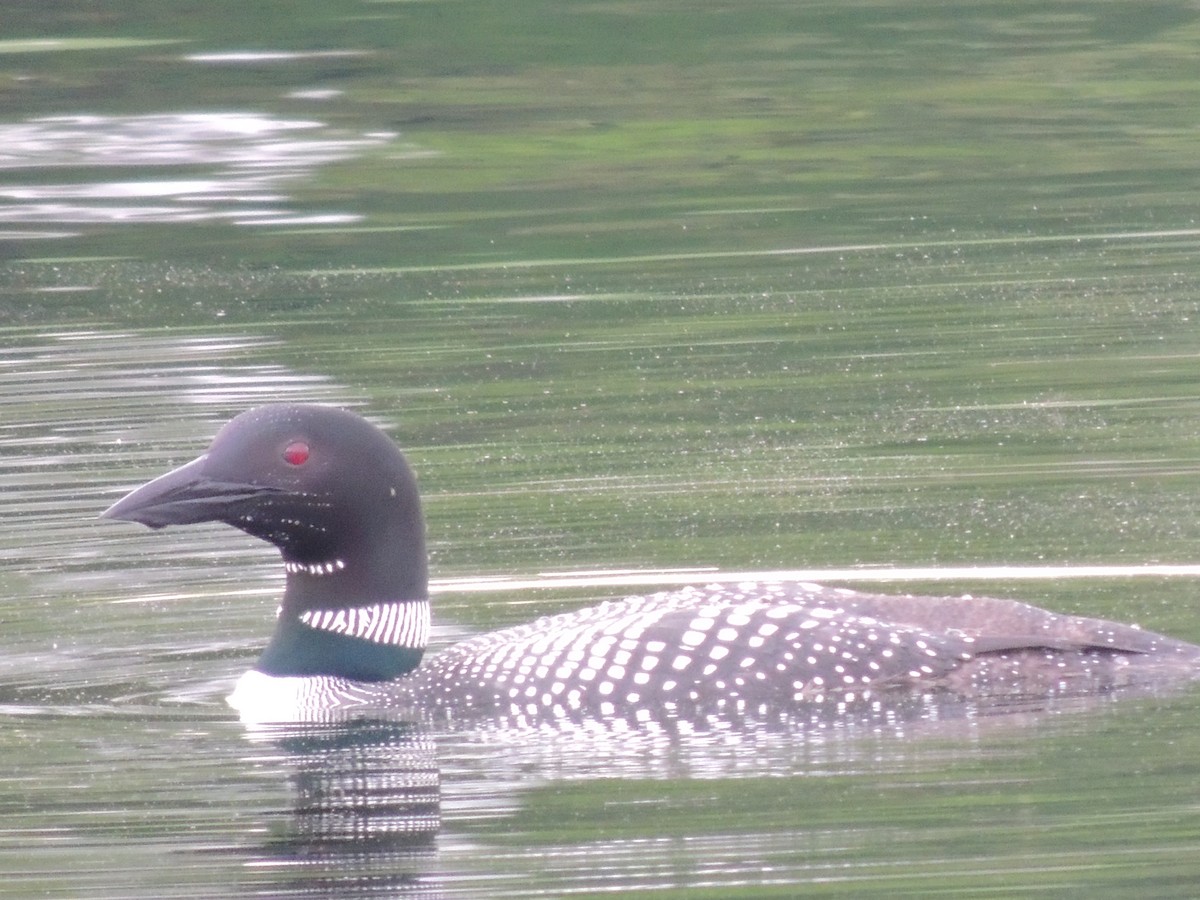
(636, 286)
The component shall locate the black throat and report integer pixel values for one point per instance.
(361, 614)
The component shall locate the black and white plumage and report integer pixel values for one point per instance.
(337, 498)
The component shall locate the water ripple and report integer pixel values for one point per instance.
(244, 160)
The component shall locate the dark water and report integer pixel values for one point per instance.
(638, 286)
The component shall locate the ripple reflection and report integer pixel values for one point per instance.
(208, 166)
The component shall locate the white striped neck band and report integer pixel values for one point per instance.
(402, 623)
(318, 569)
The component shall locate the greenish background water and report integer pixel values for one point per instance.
(638, 286)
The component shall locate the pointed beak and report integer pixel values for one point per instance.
(180, 497)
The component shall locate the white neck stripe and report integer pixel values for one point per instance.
(404, 623)
(325, 568)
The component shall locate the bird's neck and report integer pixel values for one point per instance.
(363, 619)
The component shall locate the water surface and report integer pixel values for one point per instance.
(638, 287)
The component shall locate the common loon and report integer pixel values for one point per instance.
(338, 499)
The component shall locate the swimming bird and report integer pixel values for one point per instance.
(336, 496)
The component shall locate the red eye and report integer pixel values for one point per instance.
(295, 453)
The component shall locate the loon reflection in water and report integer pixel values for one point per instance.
(338, 499)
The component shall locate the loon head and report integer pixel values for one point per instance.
(338, 499)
